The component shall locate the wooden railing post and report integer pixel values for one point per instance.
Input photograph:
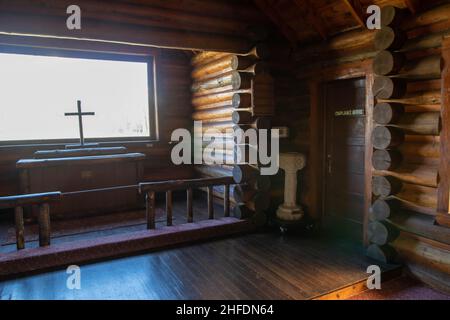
(210, 203)
(169, 207)
(189, 185)
(39, 200)
(190, 215)
(226, 201)
(20, 237)
(150, 209)
(44, 225)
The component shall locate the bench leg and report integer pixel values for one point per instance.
(44, 225)
(20, 238)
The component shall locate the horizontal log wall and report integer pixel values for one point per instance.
(409, 91)
(407, 119)
(419, 124)
(232, 91)
(215, 84)
(410, 110)
(428, 260)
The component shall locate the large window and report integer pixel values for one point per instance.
(37, 88)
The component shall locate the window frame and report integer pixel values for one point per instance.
(141, 55)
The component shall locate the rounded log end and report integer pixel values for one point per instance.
(383, 209)
(391, 16)
(385, 186)
(388, 88)
(385, 137)
(236, 100)
(377, 233)
(385, 113)
(379, 210)
(381, 137)
(387, 15)
(381, 232)
(383, 87)
(383, 63)
(384, 38)
(236, 80)
(386, 159)
(234, 62)
(237, 174)
(235, 117)
(386, 63)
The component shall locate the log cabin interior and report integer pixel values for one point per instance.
(92, 94)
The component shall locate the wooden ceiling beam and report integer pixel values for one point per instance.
(356, 10)
(311, 17)
(273, 15)
(113, 33)
(126, 13)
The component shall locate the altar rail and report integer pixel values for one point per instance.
(42, 200)
(151, 188)
(19, 202)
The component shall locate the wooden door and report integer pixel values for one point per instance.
(345, 102)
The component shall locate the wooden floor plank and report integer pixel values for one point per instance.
(88, 250)
(253, 266)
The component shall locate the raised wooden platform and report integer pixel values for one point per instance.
(102, 237)
(253, 266)
(82, 251)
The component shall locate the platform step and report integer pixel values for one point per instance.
(360, 286)
(89, 250)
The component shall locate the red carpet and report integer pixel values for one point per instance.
(88, 224)
(403, 288)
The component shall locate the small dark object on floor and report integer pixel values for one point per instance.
(304, 226)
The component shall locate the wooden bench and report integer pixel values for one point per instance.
(150, 189)
(42, 200)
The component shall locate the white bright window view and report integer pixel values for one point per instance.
(36, 91)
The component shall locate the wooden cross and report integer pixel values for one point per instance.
(80, 115)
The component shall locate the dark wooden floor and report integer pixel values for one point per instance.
(255, 266)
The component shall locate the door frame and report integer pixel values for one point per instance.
(443, 207)
(317, 163)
